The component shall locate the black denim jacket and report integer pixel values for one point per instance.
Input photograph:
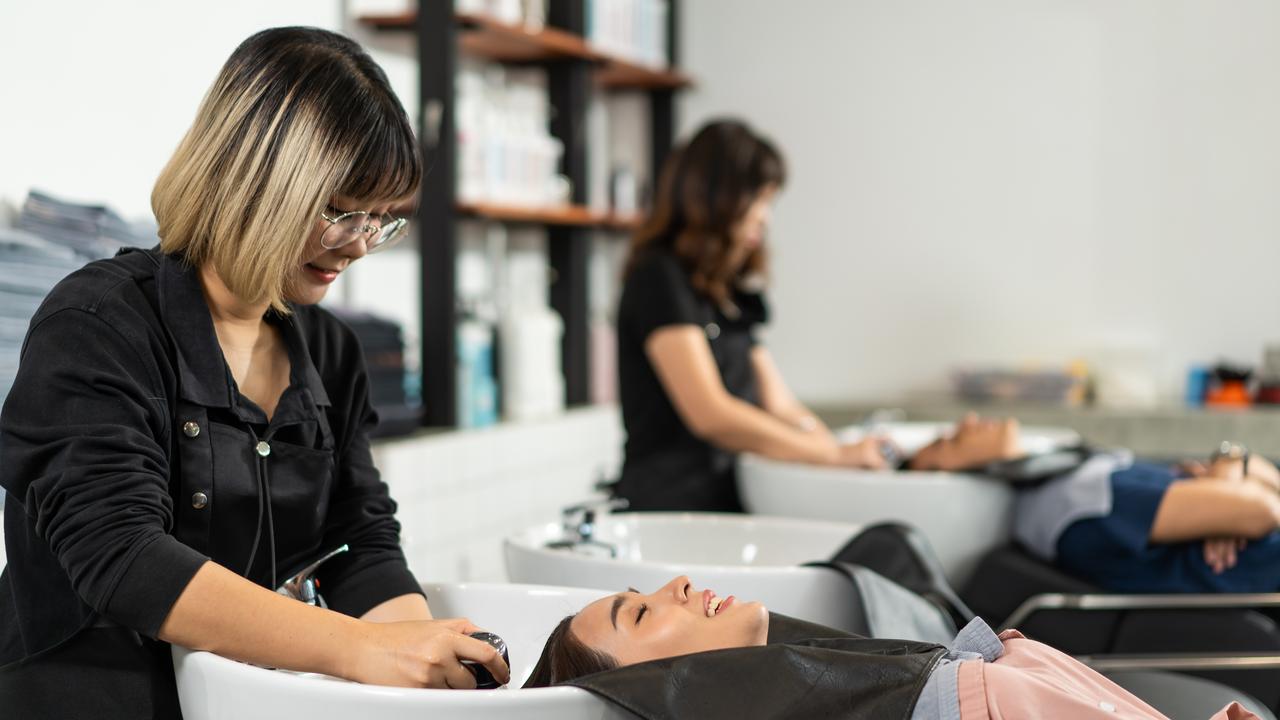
(131, 458)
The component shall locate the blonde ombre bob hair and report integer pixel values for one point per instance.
(296, 117)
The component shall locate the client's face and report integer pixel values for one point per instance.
(675, 620)
(975, 441)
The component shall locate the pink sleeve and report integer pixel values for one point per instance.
(1033, 675)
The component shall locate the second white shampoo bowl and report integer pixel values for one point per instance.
(753, 558)
(215, 688)
(963, 516)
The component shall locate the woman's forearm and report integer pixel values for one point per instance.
(224, 613)
(801, 418)
(739, 426)
(688, 372)
(776, 397)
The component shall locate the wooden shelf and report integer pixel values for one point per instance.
(560, 216)
(625, 223)
(407, 20)
(619, 74)
(487, 37)
(577, 70)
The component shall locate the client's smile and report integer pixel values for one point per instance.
(712, 605)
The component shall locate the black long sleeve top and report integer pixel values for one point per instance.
(131, 458)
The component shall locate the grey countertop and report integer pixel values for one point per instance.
(1159, 432)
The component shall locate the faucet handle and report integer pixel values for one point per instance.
(593, 506)
(302, 586)
(580, 520)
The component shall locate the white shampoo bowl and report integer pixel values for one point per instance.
(753, 558)
(211, 687)
(963, 516)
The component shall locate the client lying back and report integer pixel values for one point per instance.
(685, 652)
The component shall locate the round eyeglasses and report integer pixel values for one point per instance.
(378, 231)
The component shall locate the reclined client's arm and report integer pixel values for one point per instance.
(1201, 508)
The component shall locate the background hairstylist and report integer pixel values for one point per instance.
(697, 387)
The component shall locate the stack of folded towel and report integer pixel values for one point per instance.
(92, 231)
(50, 238)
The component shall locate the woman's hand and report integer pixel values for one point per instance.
(870, 453)
(423, 654)
(1221, 554)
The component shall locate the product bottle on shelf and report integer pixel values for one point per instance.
(530, 332)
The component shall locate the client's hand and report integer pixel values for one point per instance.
(1261, 469)
(975, 441)
(423, 654)
(1221, 554)
(1191, 469)
(1225, 468)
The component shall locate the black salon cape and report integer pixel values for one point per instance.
(805, 671)
(666, 466)
(131, 458)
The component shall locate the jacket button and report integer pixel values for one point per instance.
(263, 448)
(713, 331)
(190, 429)
(199, 500)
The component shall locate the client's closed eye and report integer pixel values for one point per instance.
(644, 607)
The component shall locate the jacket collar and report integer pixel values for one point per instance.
(205, 378)
(302, 371)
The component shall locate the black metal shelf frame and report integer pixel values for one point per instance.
(570, 86)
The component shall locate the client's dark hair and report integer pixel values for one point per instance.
(565, 658)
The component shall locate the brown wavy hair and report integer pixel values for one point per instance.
(707, 186)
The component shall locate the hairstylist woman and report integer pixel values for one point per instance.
(187, 427)
(696, 385)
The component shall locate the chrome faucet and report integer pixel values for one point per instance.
(875, 422)
(579, 524)
(304, 586)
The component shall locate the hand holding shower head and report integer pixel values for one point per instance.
(484, 678)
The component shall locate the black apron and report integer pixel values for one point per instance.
(687, 473)
(103, 672)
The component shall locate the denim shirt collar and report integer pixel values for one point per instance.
(205, 378)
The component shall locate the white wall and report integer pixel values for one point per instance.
(97, 94)
(1006, 180)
